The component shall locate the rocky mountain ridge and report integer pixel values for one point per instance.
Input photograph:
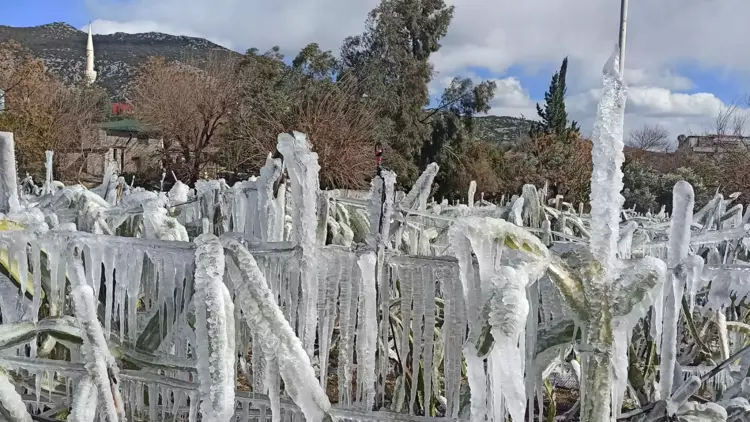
(62, 47)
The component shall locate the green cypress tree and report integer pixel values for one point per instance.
(553, 115)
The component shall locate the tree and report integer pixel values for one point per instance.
(17, 68)
(730, 121)
(309, 97)
(44, 114)
(553, 115)
(391, 59)
(188, 104)
(451, 133)
(648, 189)
(565, 164)
(314, 63)
(650, 138)
(250, 133)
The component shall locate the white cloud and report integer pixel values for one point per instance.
(510, 94)
(662, 35)
(678, 112)
(664, 78)
(290, 24)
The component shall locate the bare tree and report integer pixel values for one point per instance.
(43, 113)
(187, 103)
(730, 121)
(650, 137)
(19, 70)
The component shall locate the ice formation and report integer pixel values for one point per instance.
(303, 168)
(214, 332)
(368, 329)
(8, 179)
(83, 408)
(368, 281)
(606, 178)
(279, 344)
(501, 290)
(12, 407)
(100, 364)
(674, 289)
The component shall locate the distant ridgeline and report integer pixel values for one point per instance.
(63, 50)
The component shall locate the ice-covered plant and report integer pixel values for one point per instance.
(607, 295)
(509, 258)
(214, 332)
(282, 349)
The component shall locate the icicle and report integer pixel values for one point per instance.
(517, 211)
(508, 313)
(273, 332)
(214, 329)
(100, 363)
(193, 412)
(679, 243)
(368, 330)
(109, 287)
(83, 408)
(694, 266)
(348, 296)
(11, 402)
(36, 268)
(153, 402)
(429, 332)
(472, 191)
(38, 378)
(417, 315)
(133, 293)
(8, 179)
(454, 328)
(303, 172)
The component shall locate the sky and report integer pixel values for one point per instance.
(684, 63)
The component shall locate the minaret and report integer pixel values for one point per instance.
(90, 72)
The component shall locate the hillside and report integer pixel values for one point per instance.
(63, 49)
(501, 129)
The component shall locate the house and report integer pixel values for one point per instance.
(711, 144)
(133, 149)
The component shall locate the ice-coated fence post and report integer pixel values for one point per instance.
(9, 184)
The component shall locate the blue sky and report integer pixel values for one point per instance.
(680, 74)
(38, 12)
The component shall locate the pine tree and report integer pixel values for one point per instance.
(553, 115)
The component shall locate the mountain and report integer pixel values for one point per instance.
(62, 47)
(63, 50)
(501, 129)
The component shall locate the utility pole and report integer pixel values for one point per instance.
(623, 33)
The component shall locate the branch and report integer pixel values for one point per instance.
(442, 106)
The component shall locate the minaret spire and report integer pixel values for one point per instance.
(90, 72)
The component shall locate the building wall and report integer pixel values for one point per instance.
(713, 144)
(133, 155)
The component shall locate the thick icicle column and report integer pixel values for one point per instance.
(9, 183)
